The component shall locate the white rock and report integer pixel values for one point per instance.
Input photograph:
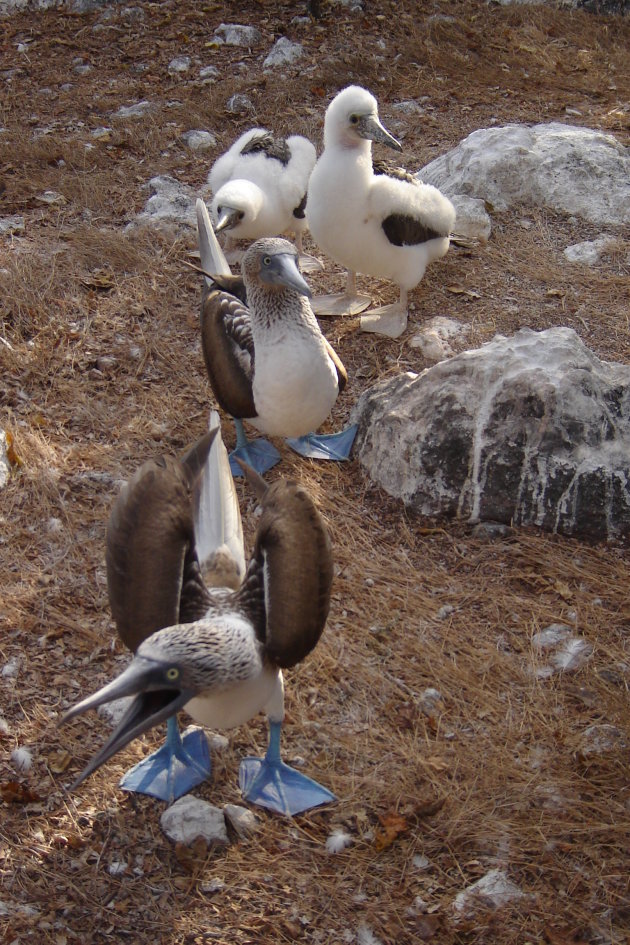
(408, 107)
(239, 104)
(434, 337)
(139, 110)
(179, 64)
(213, 885)
(209, 73)
(10, 668)
(218, 742)
(171, 202)
(102, 134)
(22, 760)
(242, 819)
(567, 168)
(8, 225)
(589, 252)
(190, 817)
(490, 892)
(112, 712)
(601, 739)
(233, 34)
(421, 862)
(471, 218)
(283, 53)
(338, 841)
(5, 465)
(199, 140)
(117, 868)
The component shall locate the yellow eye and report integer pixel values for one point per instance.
(172, 673)
(266, 260)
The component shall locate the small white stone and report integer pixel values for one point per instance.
(209, 73)
(239, 104)
(22, 760)
(232, 34)
(213, 886)
(14, 224)
(218, 742)
(10, 668)
(589, 252)
(113, 712)
(445, 612)
(283, 53)
(190, 817)
(338, 841)
(199, 140)
(242, 819)
(179, 64)
(139, 110)
(420, 861)
(490, 892)
(117, 868)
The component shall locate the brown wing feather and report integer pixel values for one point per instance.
(149, 532)
(228, 352)
(293, 544)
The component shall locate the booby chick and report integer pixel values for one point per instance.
(223, 655)
(259, 188)
(375, 219)
(267, 359)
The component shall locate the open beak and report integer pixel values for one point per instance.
(154, 702)
(228, 218)
(283, 270)
(370, 127)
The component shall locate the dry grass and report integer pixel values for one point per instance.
(100, 368)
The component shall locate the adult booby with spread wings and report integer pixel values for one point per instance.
(369, 216)
(220, 652)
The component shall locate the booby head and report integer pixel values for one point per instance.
(352, 117)
(161, 684)
(273, 264)
(236, 206)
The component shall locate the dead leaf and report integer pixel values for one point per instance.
(99, 281)
(14, 792)
(59, 761)
(435, 763)
(563, 590)
(392, 825)
(429, 807)
(12, 456)
(460, 290)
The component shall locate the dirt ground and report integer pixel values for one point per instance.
(100, 367)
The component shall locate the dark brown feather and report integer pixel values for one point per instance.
(379, 166)
(149, 538)
(403, 230)
(342, 374)
(293, 547)
(270, 146)
(228, 351)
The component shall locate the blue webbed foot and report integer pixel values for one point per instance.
(270, 783)
(174, 769)
(334, 446)
(259, 454)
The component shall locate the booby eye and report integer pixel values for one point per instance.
(266, 260)
(172, 673)
(354, 119)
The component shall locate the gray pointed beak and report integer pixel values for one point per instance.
(282, 269)
(228, 218)
(154, 702)
(370, 127)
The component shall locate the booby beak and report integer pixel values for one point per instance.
(370, 127)
(229, 217)
(282, 269)
(156, 700)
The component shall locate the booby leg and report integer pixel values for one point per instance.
(334, 446)
(346, 303)
(174, 769)
(390, 320)
(259, 454)
(270, 783)
(307, 262)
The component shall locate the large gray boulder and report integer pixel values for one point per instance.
(562, 167)
(532, 429)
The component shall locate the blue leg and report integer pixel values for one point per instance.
(335, 446)
(174, 769)
(259, 454)
(270, 783)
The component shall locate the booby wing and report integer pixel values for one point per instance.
(150, 540)
(269, 145)
(294, 551)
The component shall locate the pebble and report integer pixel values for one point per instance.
(489, 893)
(601, 739)
(139, 110)
(190, 817)
(242, 819)
(232, 34)
(283, 53)
(179, 64)
(239, 104)
(209, 73)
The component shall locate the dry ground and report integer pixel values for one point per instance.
(100, 367)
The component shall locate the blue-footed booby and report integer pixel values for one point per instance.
(220, 652)
(267, 359)
(259, 187)
(372, 217)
